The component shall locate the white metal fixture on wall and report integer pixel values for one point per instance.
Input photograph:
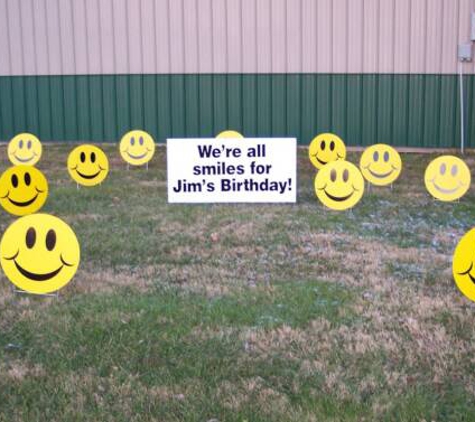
(464, 55)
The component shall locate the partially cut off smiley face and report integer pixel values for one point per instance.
(39, 253)
(137, 147)
(463, 264)
(339, 185)
(447, 178)
(326, 148)
(24, 149)
(23, 190)
(380, 164)
(229, 134)
(88, 165)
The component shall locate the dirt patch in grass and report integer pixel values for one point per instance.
(17, 371)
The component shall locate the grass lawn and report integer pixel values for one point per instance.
(244, 312)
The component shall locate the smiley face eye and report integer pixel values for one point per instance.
(132, 141)
(82, 157)
(375, 156)
(333, 175)
(386, 157)
(50, 240)
(332, 146)
(322, 145)
(93, 157)
(30, 237)
(28, 145)
(443, 168)
(14, 180)
(141, 140)
(346, 175)
(27, 179)
(21, 143)
(454, 170)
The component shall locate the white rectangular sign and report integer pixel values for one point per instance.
(259, 170)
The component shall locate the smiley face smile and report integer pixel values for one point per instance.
(137, 157)
(381, 175)
(339, 198)
(36, 276)
(326, 162)
(472, 278)
(23, 204)
(88, 176)
(446, 191)
(24, 160)
(320, 161)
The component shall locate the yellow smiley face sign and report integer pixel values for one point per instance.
(380, 164)
(39, 253)
(326, 148)
(23, 190)
(137, 147)
(339, 185)
(462, 265)
(24, 148)
(447, 178)
(229, 134)
(88, 165)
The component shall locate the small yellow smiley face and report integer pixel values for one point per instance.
(24, 148)
(39, 253)
(380, 164)
(23, 190)
(137, 147)
(229, 134)
(463, 263)
(88, 165)
(339, 185)
(326, 148)
(447, 178)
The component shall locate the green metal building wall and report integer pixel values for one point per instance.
(402, 110)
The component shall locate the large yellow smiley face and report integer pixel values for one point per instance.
(326, 148)
(380, 164)
(447, 178)
(39, 253)
(339, 185)
(23, 190)
(88, 165)
(24, 148)
(137, 147)
(463, 263)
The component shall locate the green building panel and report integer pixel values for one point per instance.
(402, 110)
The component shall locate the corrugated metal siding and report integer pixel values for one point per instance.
(370, 70)
(403, 110)
(65, 37)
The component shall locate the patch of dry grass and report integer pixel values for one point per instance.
(407, 328)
